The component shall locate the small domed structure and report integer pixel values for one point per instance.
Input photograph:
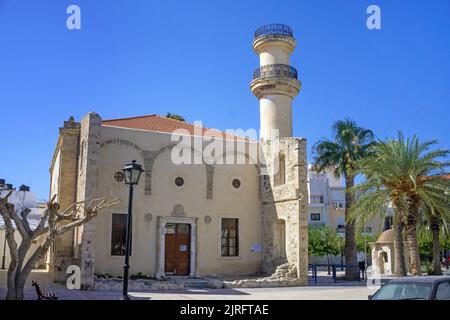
(386, 236)
(383, 255)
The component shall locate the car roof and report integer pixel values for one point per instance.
(422, 279)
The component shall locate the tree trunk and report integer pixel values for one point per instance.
(11, 291)
(18, 270)
(12, 269)
(415, 266)
(350, 250)
(20, 285)
(399, 248)
(434, 226)
(411, 236)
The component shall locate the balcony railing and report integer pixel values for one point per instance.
(275, 70)
(315, 199)
(338, 205)
(274, 29)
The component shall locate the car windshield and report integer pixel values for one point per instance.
(404, 291)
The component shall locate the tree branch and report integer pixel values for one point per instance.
(41, 228)
(24, 215)
(5, 199)
(18, 221)
(12, 244)
(49, 224)
(90, 213)
(54, 231)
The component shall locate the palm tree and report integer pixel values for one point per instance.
(436, 222)
(374, 198)
(404, 172)
(423, 186)
(350, 144)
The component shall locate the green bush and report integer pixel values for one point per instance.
(427, 267)
(139, 275)
(323, 241)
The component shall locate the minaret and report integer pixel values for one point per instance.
(275, 82)
(284, 190)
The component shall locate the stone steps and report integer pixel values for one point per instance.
(170, 283)
(191, 283)
(264, 283)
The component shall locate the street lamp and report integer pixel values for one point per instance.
(4, 253)
(132, 172)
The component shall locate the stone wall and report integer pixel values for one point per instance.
(67, 148)
(87, 183)
(286, 201)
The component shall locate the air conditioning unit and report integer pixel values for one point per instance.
(24, 188)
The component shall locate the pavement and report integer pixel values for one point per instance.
(284, 293)
(325, 289)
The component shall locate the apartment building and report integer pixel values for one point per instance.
(326, 205)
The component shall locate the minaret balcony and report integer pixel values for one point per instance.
(274, 29)
(273, 34)
(275, 79)
(275, 70)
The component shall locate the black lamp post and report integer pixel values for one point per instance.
(132, 173)
(4, 253)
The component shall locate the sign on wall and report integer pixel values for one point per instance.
(256, 247)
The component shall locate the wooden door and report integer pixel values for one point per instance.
(177, 249)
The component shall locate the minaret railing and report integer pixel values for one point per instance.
(275, 70)
(274, 29)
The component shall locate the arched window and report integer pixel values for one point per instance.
(384, 256)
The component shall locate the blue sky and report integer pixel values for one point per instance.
(195, 58)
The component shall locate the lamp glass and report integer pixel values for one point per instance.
(132, 172)
(136, 174)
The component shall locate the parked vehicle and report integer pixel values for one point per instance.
(415, 288)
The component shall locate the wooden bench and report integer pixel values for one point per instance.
(41, 295)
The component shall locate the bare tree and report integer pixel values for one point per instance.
(53, 223)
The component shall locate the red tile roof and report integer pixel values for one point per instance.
(157, 123)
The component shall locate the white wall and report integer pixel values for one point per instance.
(21, 199)
(18, 240)
(54, 187)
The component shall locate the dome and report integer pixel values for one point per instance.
(386, 236)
